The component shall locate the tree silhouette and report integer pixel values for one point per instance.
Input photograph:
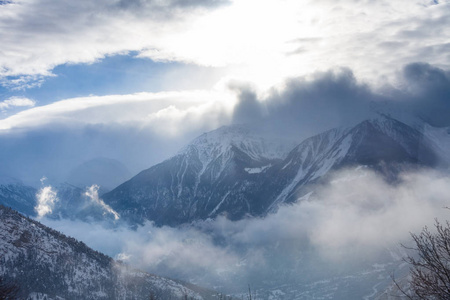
(430, 266)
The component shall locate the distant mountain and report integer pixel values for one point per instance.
(104, 172)
(72, 199)
(72, 202)
(237, 171)
(13, 193)
(46, 264)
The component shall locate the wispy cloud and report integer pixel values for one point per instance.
(46, 199)
(191, 108)
(92, 194)
(14, 102)
(353, 220)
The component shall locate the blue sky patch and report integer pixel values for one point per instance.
(119, 74)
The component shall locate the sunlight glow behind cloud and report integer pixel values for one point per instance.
(261, 41)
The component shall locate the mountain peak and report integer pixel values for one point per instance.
(237, 170)
(247, 139)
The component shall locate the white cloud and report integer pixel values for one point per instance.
(165, 113)
(16, 102)
(92, 194)
(361, 210)
(38, 35)
(138, 129)
(263, 41)
(46, 199)
(355, 218)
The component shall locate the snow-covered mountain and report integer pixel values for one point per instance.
(46, 263)
(381, 143)
(214, 174)
(238, 171)
(235, 171)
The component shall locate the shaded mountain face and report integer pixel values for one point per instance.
(384, 144)
(17, 195)
(235, 172)
(212, 175)
(44, 262)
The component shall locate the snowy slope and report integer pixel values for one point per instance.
(16, 195)
(212, 175)
(246, 139)
(41, 260)
(311, 159)
(236, 172)
(381, 143)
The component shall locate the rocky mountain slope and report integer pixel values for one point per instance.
(383, 143)
(44, 262)
(212, 175)
(13, 193)
(234, 171)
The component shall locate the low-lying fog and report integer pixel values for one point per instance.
(352, 224)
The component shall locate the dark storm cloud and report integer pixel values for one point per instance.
(304, 107)
(335, 98)
(429, 90)
(248, 109)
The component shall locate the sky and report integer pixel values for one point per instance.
(136, 80)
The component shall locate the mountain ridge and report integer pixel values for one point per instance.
(42, 260)
(232, 171)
